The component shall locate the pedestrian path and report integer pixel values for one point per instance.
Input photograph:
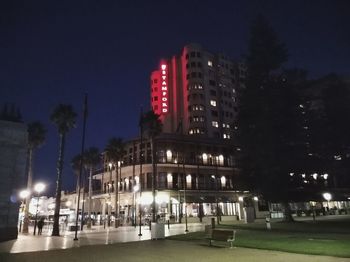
(95, 236)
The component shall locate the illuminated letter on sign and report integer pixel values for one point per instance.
(164, 88)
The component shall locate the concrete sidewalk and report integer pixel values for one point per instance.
(96, 236)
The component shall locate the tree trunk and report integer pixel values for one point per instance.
(56, 228)
(29, 188)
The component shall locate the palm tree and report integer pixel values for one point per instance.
(36, 137)
(152, 127)
(64, 117)
(91, 160)
(114, 153)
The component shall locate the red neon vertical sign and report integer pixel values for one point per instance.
(164, 89)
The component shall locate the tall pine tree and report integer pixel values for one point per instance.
(268, 119)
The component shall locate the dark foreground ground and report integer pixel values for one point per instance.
(162, 250)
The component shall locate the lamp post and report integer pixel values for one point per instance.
(140, 162)
(313, 205)
(118, 180)
(186, 229)
(39, 187)
(327, 196)
(216, 199)
(140, 211)
(110, 188)
(23, 195)
(135, 189)
(185, 185)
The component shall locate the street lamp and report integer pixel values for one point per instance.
(188, 178)
(23, 195)
(216, 199)
(110, 188)
(313, 205)
(327, 196)
(39, 187)
(135, 189)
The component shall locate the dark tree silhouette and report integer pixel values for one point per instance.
(114, 153)
(268, 118)
(36, 137)
(152, 127)
(64, 117)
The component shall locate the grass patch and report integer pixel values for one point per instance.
(300, 237)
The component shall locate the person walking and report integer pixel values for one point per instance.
(40, 225)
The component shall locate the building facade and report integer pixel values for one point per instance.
(194, 175)
(195, 93)
(13, 154)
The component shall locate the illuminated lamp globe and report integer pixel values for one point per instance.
(327, 196)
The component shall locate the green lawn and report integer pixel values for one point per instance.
(161, 250)
(330, 238)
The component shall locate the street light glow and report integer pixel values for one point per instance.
(23, 194)
(136, 188)
(327, 196)
(39, 187)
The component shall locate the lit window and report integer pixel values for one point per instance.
(200, 87)
(205, 158)
(215, 124)
(337, 157)
(224, 136)
(170, 180)
(169, 155)
(210, 63)
(213, 102)
(220, 160)
(188, 181)
(223, 181)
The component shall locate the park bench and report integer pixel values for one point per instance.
(222, 235)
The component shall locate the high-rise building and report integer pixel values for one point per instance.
(195, 93)
(194, 172)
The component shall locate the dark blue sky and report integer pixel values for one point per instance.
(53, 52)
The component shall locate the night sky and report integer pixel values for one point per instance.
(53, 52)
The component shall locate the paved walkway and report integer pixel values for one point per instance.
(97, 236)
